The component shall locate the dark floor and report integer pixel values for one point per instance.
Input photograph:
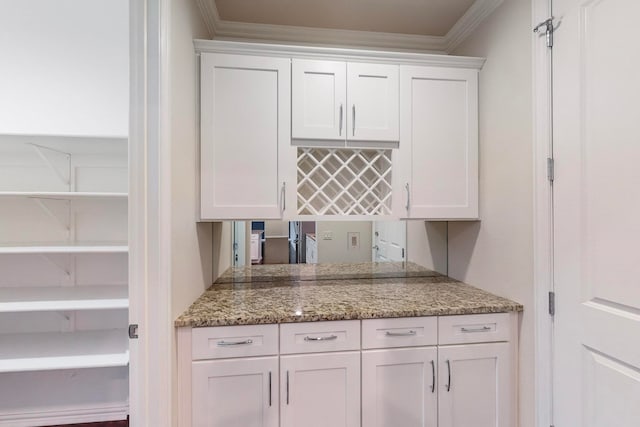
(123, 423)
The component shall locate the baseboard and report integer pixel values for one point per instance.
(70, 415)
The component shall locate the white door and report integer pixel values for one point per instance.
(245, 142)
(399, 388)
(373, 97)
(239, 243)
(235, 393)
(437, 164)
(597, 213)
(319, 91)
(475, 387)
(389, 241)
(320, 390)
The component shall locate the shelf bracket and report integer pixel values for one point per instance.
(63, 220)
(47, 154)
(58, 263)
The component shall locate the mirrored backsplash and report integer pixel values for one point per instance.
(404, 246)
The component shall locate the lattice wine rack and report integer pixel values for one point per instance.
(338, 181)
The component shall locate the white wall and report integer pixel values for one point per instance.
(427, 244)
(192, 250)
(64, 68)
(336, 249)
(496, 253)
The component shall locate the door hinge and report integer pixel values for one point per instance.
(133, 331)
(547, 24)
(550, 169)
(552, 305)
(402, 253)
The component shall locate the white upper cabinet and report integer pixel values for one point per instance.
(319, 98)
(245, 136)
(437, 167)
(372, 93)
(341, 102)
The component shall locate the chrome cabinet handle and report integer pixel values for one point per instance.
(269, 388)
(400, 334)
(283, 194)
(433, 377)
(449, 380)
(406, 187)
(340, 128)
(287, 387)
(228, 343)
(353, 122)
(329, 338)
(483, 329)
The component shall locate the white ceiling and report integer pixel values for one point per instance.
(418, 17)
(436, 26)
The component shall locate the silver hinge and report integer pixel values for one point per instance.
(550, 169)
(133, 331)
(552, 304)
(547, 24)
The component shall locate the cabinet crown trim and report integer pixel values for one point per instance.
(341, 54)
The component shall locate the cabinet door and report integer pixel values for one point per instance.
(475, 388)
(373, 97)
(320, 390)
(438, 157)
(235, 393)
(245, 134)
(318, 99)
(399, 388)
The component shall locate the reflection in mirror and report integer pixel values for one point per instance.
(313, 242)
(327, 242)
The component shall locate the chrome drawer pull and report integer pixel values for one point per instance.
(227, 343)
(329, 338)
(400, 334)
(483, 329)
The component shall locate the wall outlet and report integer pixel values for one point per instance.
(327, 235)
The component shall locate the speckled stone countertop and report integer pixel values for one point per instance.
(296, 272)
(282, 301)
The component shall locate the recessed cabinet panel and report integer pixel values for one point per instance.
(372, 93)
(320, 390)
(474, 386)
(245, 132)
(318, 99)
(235, 393)
(399, 388)
(439, 149)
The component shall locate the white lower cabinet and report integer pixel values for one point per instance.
(235, 393)
(475, 387)
(320, 390)
(451, 371)
(399, 387)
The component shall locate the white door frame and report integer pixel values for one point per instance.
(543, 220)
(149, 216)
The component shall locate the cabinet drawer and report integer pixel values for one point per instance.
(234, 341)
(400, 332)
(475, 328)
(313, 337)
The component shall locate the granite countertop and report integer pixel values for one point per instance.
(286, 301)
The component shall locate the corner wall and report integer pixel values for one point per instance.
(496, 254)
(191, 242)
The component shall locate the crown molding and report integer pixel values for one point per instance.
(230, 30)
(336, 53)
(472, 18)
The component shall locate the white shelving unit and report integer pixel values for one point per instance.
(64, 291)
(50, 298)
(64, 350)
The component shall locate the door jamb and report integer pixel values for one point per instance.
(543, 220)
